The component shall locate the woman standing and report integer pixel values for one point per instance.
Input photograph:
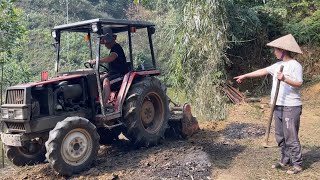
(288, 106)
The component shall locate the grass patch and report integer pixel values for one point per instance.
(177, 96)
(180, 97)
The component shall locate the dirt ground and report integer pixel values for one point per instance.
(230, 149)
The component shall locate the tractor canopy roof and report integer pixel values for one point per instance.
(96, 27)
(115, 24)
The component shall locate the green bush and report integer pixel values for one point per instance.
(307, 30)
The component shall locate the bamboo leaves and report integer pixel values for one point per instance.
(196, 62)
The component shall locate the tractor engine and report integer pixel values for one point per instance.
(38, 108)
(68, 97)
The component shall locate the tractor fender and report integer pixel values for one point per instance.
(126, 84)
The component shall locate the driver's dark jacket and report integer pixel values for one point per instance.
(119, 65)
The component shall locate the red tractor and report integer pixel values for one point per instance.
(64, 120)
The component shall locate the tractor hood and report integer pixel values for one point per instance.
(61, 76)
(56, 79)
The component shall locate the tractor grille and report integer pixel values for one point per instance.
(15, 126)
(15, 96)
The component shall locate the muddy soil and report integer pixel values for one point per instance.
(230, 149)
(195, 158)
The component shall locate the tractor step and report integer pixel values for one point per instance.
(108, 117)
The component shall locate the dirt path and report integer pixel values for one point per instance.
(229, 149)
(254, 161)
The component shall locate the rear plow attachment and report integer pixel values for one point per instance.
(182, 123)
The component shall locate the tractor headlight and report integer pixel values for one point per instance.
(4, 113)
(94, 28)
(54, 34)
(12, 113)
(18, 114)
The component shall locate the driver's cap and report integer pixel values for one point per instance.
(107, 34)
(107, 30)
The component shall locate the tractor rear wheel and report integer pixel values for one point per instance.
(72, 145)
(31, 153)
(146, 112)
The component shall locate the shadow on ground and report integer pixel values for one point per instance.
(310, 157)
(243, 131)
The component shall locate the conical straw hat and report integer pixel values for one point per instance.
(286, 42)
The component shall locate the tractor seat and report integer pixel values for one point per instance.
(116, 80)
(115, 84)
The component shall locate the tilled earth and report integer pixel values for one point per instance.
(194, 158)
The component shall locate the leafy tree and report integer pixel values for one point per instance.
(300, 18)
(10, 26)
(12, 34)
(115, 9)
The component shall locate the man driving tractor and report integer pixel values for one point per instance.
(116, 60)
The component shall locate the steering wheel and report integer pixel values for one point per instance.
(88, 65)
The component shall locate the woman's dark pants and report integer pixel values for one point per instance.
(287, 123)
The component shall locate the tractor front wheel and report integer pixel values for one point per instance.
(146, 112)
(72, 145)
(31, 153)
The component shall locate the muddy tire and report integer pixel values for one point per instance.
(72, 145)
(21, 156)
(146, 112)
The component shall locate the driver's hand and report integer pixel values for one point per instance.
(92, 61)
(103, 75)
